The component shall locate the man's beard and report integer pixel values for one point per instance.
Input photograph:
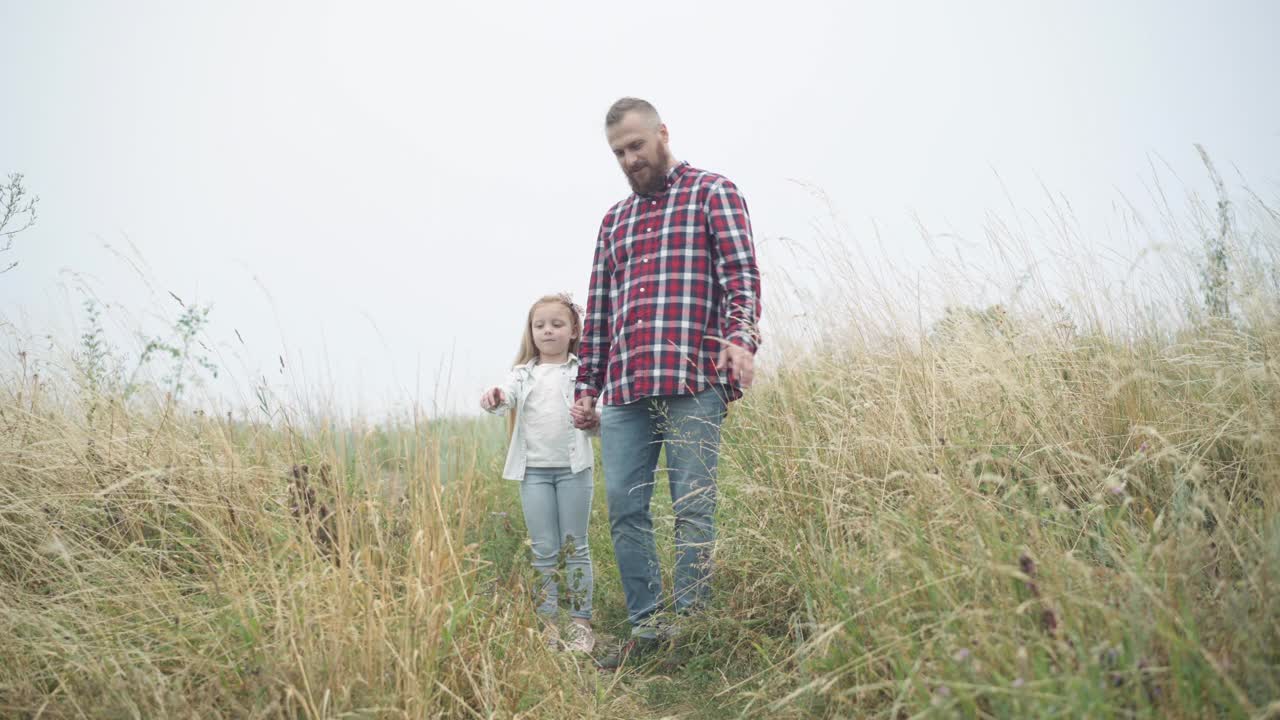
(657, 178)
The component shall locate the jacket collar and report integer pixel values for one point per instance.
(572, 361)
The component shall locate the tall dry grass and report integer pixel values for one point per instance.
(1011, 527)
(157, 566)
(1031, 510)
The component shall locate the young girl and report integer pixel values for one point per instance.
(552, 460)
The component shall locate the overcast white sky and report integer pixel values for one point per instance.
(370, 189)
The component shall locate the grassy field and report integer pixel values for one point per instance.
(1011, 514)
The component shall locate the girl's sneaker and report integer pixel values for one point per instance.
(581, 638)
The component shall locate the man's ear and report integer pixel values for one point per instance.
(662, 130)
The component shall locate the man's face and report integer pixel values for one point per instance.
(640, 144)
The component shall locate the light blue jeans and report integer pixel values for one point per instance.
(557, 506)
(631, 436)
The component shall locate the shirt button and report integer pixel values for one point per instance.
(641, 289)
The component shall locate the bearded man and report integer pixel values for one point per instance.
(668, 341)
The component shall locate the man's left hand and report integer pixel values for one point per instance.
(740, 361)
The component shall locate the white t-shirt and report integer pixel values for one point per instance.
(548, 426)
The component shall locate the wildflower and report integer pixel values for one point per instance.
(940, 694)
(1018, 682)
(961, 655)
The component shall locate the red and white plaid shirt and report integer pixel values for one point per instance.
(674, 277)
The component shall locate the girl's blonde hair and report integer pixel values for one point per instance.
(529, 350)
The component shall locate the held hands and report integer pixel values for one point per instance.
(491, 398)
(584, 413)
(740, 361)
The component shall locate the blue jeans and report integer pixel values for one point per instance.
(557, 506)
(631, 436)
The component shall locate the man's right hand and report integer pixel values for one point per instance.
(584, 413)
(492, 398)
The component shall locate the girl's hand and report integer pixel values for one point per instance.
(584, 412)
(492, 398)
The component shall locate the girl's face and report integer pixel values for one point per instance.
(552, 326)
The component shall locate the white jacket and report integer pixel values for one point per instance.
(516, 390)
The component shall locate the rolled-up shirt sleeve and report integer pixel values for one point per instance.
(593, 350)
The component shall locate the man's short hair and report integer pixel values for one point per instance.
(630, 104)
